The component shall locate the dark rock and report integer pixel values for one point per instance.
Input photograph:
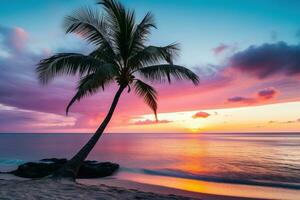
(35, 170)
(94, 169)
(89, 169)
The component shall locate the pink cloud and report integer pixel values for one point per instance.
(220, 49)
(200, 115)
(19, 38)
(14, 39)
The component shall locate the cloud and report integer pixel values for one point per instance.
(239, 99)
(200, 115)
(20, 38)
(262, 95)
(23, 120)
(19, 86)
(268, 60)
(148, 122)
(291, 121)
(220, 49)
(285, 122)
(13, 38)
(267, 93)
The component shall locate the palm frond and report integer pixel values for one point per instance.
(113, 7)
(105, 56)
(123, 22)
(115, 11)
(160, 72)
(90, 25)
(141, 33)
(66, 63)
(89, 85)
(148, 93)
(153, 55)
(82, 91)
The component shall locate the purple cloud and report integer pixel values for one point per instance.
(239, 99)
(262, 95)
(267, 93)
(21, 119)
(18, 82)
(268, 59)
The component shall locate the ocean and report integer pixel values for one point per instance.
(259, 159)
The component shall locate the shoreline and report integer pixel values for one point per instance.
(110, 189)
(161, 190)
(195, 187)
(136, 186)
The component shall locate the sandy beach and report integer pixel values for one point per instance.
(50, 190)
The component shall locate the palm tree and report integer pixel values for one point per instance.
(120, 55)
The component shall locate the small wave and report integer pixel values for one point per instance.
(133, 170)
(180, 174)
(11, 161)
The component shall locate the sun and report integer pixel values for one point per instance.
(195, 127)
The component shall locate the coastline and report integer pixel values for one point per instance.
(194, 188)
(110, 189)
(159, 189)
(129, 186)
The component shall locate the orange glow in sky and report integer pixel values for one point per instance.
(275, 117)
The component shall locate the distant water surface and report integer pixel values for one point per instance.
(253, 159)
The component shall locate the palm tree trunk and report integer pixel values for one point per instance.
(71, 168)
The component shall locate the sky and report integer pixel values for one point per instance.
(246, 53)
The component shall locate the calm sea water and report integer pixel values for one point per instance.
(252, 159)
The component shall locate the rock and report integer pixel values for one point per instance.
(35, 170)
(94, 169)
(89, 169)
